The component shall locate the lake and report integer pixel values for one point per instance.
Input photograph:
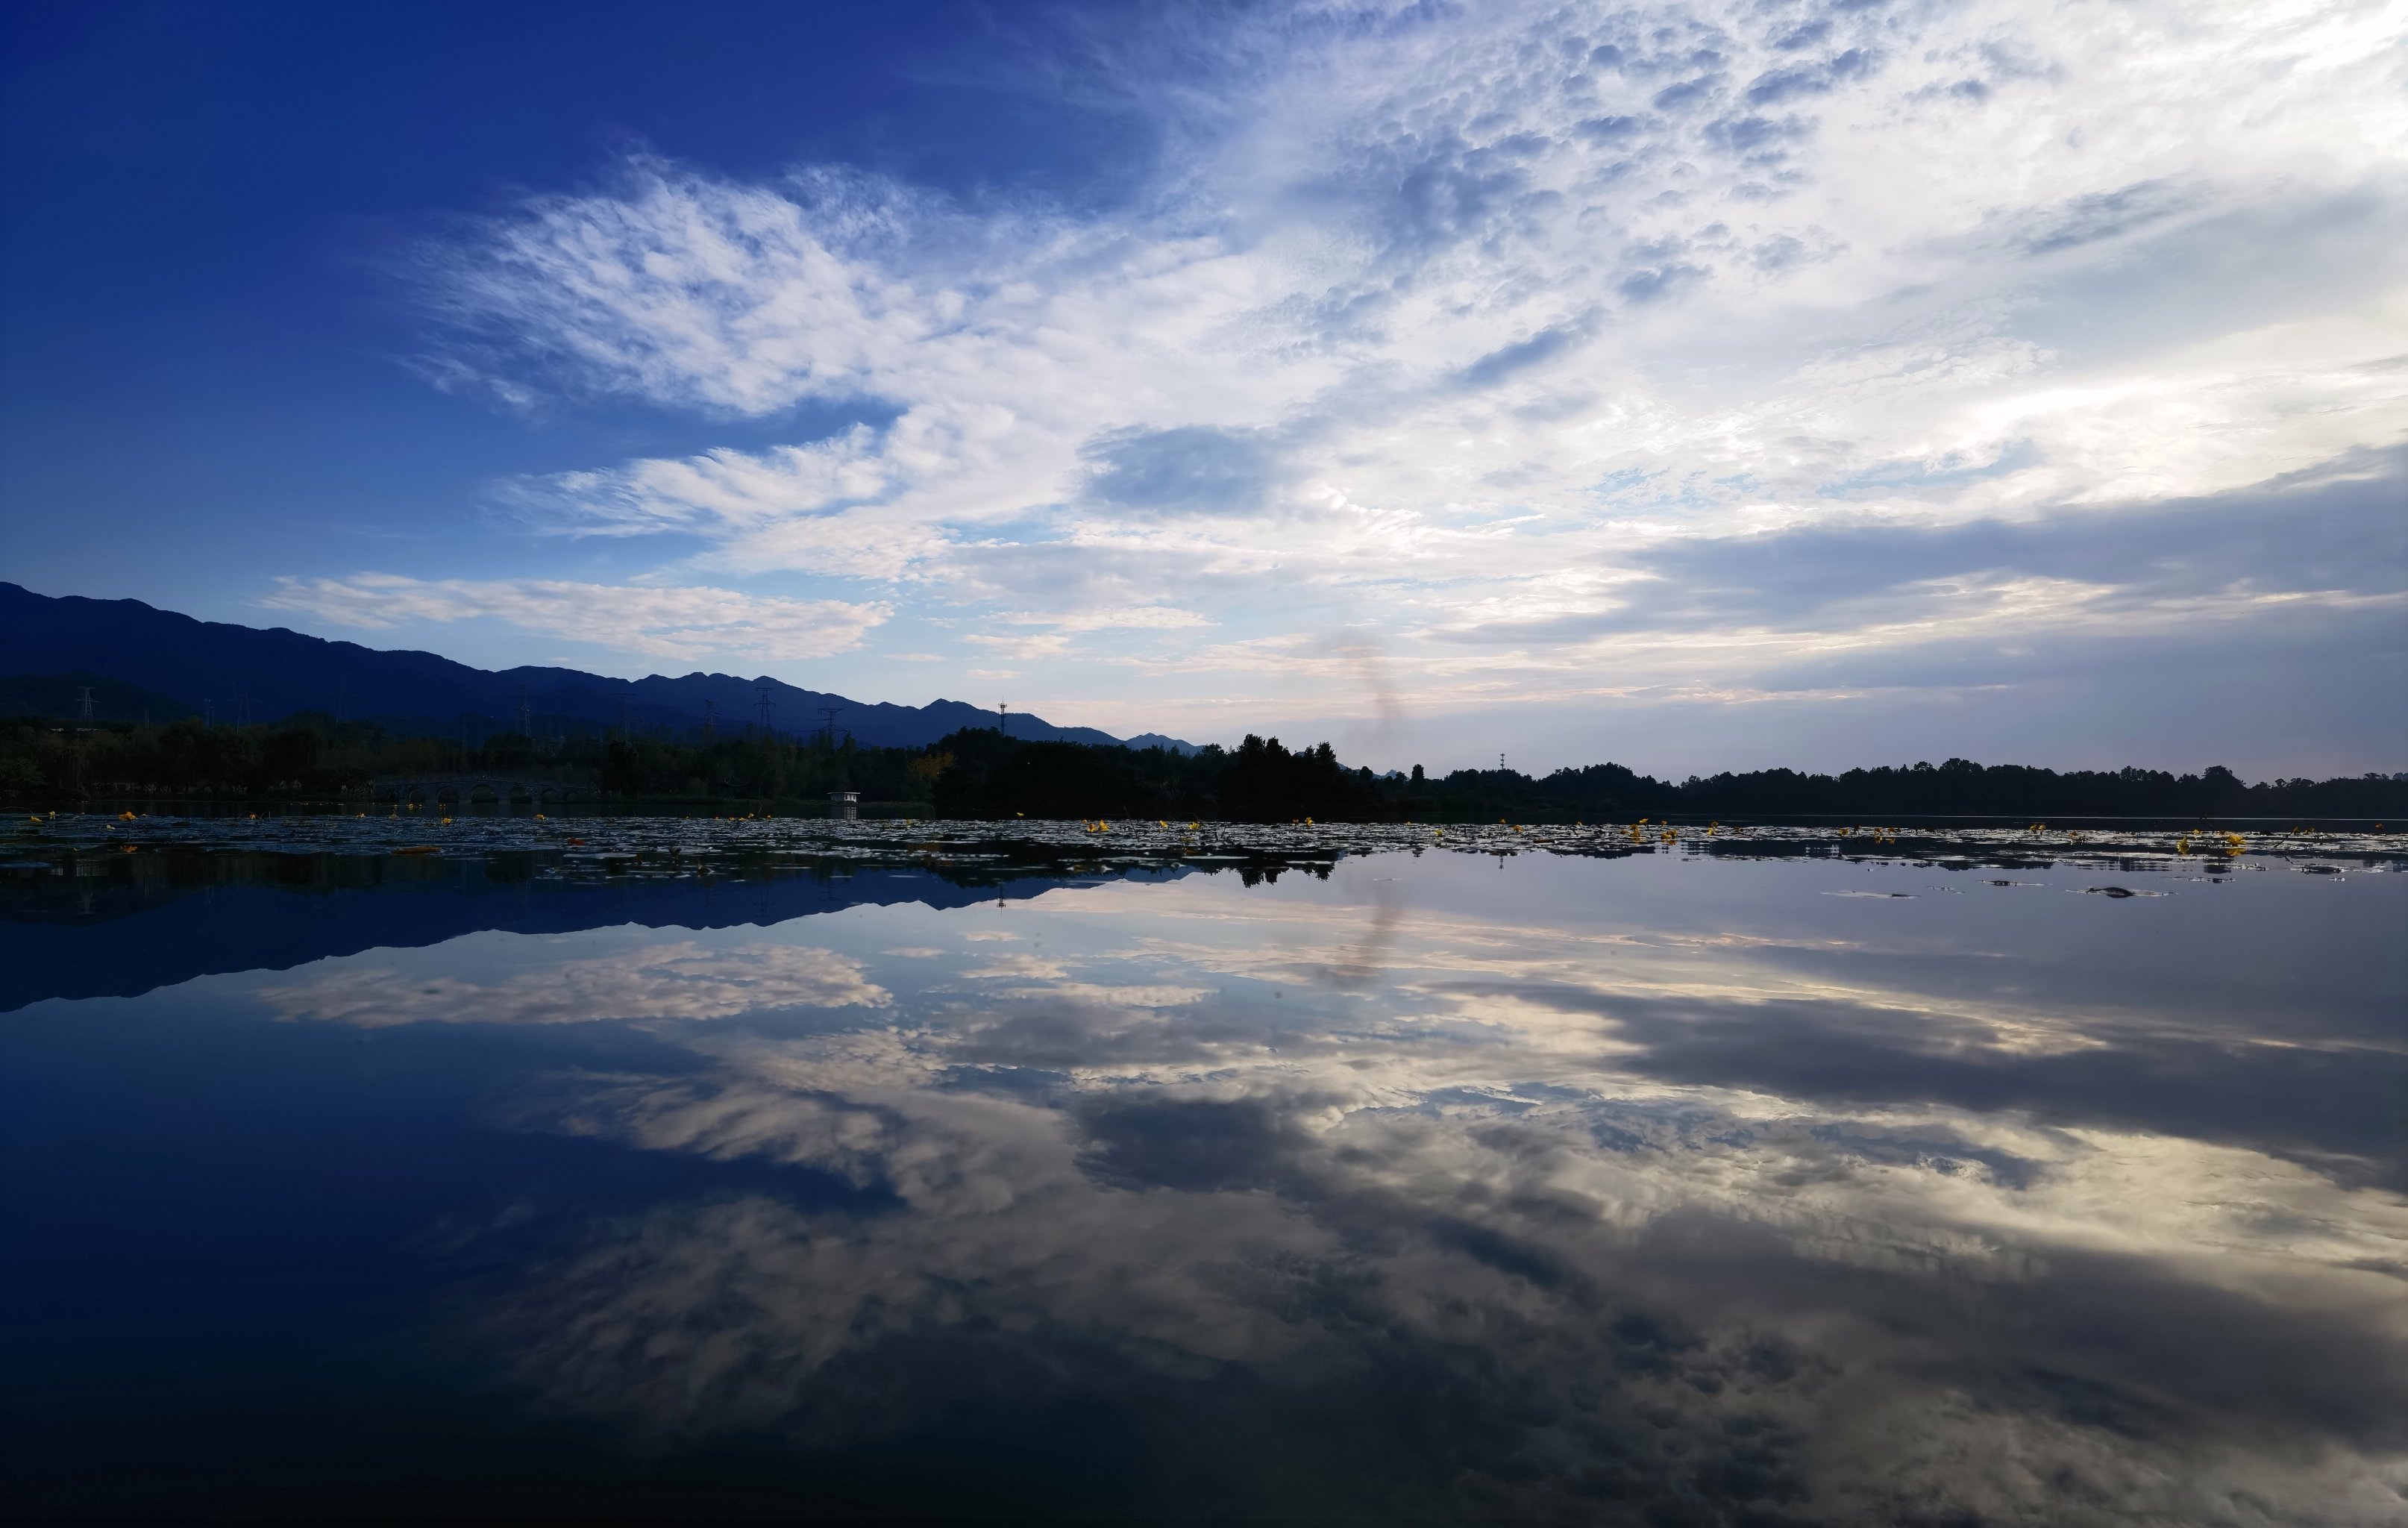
(696, 1170)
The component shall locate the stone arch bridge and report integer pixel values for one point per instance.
(474, 788)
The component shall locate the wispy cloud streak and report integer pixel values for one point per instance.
(668, 622)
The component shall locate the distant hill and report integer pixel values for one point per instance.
(113, 699)
(134, 655)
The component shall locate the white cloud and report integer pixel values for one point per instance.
(1456, 318)
(766, 296)
(1120, 618)
(684, 624)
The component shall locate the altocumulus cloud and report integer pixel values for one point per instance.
(684, 623)
(1485, 318)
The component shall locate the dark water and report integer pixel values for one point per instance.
(1231, 1177)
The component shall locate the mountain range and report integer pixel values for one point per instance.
(141, 662)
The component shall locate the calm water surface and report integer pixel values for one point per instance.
(1396, 1187)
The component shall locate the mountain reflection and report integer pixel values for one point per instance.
(1449, 1191)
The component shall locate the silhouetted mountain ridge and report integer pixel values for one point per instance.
(247, 674)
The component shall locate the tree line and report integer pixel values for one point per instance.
(1261, 781)
(312, 755)
(1958, 787)
(984, 774)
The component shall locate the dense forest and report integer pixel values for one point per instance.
(984, 774)
(1263, 782)
(311, 755)
(1958, 787)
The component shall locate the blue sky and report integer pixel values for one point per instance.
(1701, 386)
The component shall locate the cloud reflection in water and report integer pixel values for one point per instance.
(681, 980)
(1429, 1197)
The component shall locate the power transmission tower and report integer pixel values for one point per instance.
(831, 714)
(762, 698)
(83, 705)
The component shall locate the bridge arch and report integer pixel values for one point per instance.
(426, 792)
